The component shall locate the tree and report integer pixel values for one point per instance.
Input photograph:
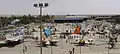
(24, 19)
(92, 17)
(52, 16)
(31, 18)
(3, 21)
(46, 17)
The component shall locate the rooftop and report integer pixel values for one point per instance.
(67, 19)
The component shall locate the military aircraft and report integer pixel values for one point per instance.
(48, 38)
(112, 38)
(15, 37)
(9, 38)
(112, 42)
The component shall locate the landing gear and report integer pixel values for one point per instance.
(112, 44)
(116, 40)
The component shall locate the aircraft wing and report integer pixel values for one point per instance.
(98, 32)
(102, 41)
(54, 41)
(65, 33)
(3, 42)
(14, 38)
(101, 44)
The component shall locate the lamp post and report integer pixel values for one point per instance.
(40, 5)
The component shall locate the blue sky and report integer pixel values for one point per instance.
(24, 7)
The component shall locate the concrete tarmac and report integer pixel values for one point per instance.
(61, 48)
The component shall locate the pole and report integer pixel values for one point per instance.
(108, 49)
(80, 49)
(23, 47)
(108, 46)
(80, 44)
(73, 50)
(41, 30)
(61, 43)
(51, 50)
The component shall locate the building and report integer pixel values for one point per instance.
(67, 20)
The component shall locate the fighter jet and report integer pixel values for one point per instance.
(16, 36)
(48, 38)
(113, 36)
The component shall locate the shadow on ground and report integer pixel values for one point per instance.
(46, 45)
(11, 44)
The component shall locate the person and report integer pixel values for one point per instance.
(116, 39)
(82, 42)
(83, 32)
(64, 37)
(55, 29)
(73, 50)
(70, 52)
(25, 49)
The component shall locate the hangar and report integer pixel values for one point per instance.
(68, 20)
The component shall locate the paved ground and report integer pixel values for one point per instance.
(62, 48)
